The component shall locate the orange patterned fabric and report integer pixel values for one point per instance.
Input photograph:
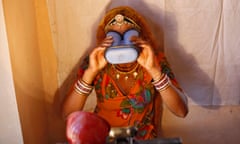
(135, 109)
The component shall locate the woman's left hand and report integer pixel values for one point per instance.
(147, 57)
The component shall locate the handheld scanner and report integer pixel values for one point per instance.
(122, 50)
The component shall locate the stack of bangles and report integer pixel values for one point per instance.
(83, 88)
(162, 83)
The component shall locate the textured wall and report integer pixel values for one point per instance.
(202, 42)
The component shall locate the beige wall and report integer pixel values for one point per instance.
(73, 25)
(204, 125)
(10, 124)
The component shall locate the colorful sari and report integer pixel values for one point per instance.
(141, 107)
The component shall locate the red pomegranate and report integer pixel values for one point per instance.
(86, 128)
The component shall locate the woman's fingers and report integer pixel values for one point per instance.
(98, 52)
(137, 41)
(146, 56)
(107, 42)
(97, 60)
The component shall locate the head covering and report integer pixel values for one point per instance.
(145, 32)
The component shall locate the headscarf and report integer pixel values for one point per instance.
(145, 32)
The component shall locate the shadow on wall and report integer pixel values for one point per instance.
(67, 84)
(196, 83)
(184, 65)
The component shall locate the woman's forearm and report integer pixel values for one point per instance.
(89, 75)
(76, 100)
(175, 100)
(73, 102)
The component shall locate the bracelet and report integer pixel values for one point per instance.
(162, 83)
(83, 88)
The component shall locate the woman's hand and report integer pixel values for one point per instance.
(97, 60)
(147, 57)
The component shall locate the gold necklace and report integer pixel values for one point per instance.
(126, 73)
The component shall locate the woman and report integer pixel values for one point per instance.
(127, 94)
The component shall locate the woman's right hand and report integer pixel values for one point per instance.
(97, 60)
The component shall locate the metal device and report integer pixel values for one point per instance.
(122, 50)
(126, 135)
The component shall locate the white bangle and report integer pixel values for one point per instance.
(82, 87)
(162, 83)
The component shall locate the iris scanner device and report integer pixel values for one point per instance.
(122, 50)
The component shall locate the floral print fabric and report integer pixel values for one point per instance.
(134, 109)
